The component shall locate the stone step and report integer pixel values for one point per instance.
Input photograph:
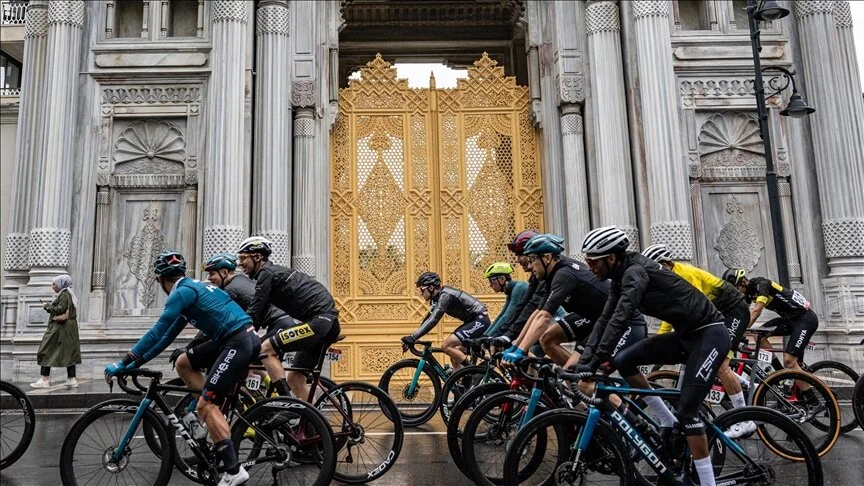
(58, 396)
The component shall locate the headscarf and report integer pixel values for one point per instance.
(64, 282)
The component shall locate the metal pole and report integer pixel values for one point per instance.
(770, 174)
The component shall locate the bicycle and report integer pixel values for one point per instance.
(586, 445)
(858, 399)
(114, 431)
(464, 379)
(17, 423)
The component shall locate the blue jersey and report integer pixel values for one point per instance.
(208, 308)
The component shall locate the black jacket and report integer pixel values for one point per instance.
(296, 293)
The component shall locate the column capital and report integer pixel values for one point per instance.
(66, 12)
(571, 88)
(229, 11)
(650, 8)
(36, 20)
(303, 94)
(273, 18)
(805, 8)
(844, 237)
(842, 15)
(602, 16)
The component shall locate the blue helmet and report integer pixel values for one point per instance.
(545, 243)
(169, 263)
(220, 261)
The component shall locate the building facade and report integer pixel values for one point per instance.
(142, 125)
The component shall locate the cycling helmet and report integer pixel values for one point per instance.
(545, 243)
(734, 275)
(169, 263)
(256, 244)
(658, 253)
(220, 261)
(428, 279)
(605, 241)
(498, 269)
(517, 246)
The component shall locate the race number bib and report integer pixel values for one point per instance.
(811, 346)
(253, 382)
(334, 354)
(765, 356)
(716, 394)
(800, 300)
(645, 369)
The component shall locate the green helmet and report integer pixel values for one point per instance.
(169, 263)
(220, 261)
(543, 244)
(498, 269)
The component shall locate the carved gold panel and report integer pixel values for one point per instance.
(423, 179)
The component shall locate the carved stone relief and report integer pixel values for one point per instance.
(142, 251)
(738, 245)
(730, 148)
(571, 88)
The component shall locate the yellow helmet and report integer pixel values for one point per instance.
(498, 269)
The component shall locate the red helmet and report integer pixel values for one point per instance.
(517, 246)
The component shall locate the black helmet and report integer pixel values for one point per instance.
(169, 263)
(734, 275)
(428, 279)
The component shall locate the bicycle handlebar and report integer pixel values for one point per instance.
(575, 391)
(134, 374)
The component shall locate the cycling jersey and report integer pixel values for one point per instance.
(643, 284)
(536, 294)
(204, 306)
(721, 293)
(455, 303)
(573, 287)
(241, 289)
(786, 303)
(515, 291)
(293, 291)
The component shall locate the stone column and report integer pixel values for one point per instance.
(837, 135)
(51, 235)
(611, 137)
(271, 205)
(223, 192)
(667, 171)
(306, 183)
(575, 178)
(849, 77)
(28, 146)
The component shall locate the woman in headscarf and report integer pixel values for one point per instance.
(60, 346)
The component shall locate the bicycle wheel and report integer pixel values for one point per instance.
(416, 406)
(460, 382)
(819, 419)
(753, 459)
(459, 417)
(858, 401)
(17, 421)
(542, 453)
(841, 380)
(283, 441)
(86, 454)
(485, 441)
(368, 432)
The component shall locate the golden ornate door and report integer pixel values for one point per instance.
(423, 179)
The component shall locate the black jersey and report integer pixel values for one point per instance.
(241, 289)
(453, 302)
(573, 287)
(296, 293)
(786, 303)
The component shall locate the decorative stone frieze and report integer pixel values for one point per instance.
(158, 94)
(700, 88)
(648, 8)
(602, 16)
(49, 247)
(844, 237)
(229, 10)
(303, 94)
(571, 88)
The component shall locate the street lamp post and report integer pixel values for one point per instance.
(770, 10)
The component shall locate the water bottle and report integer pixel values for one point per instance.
(195, 427)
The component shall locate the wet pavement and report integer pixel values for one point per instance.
(424, 459)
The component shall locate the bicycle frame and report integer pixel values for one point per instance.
(426, 356)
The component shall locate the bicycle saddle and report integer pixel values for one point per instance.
(763, 330)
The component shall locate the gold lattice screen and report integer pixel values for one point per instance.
(423, 179)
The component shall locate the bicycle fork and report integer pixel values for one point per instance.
(413, 386)
(130, 433)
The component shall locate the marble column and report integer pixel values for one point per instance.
(51, 236)
(575, 177)
(611, 136)
(849, 77)
(307, 214)
(836, 135)
(667, 172)
(28, 145)
(271, 205)
(223, 192)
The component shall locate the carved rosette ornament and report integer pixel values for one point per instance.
(738, 244)
(142, 252)
(303, 94)
(571, 88)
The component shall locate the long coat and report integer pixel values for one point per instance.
(60, 346)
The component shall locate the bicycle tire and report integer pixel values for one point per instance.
(858, 401)
(470, 440)
(842, 384)
(462, 408)
(566, 424)
(321, 454)
(456, 382)
(831, 428)
(389, 412)
(68, 455)
(399, 394)
(791, 431)
(28, 415)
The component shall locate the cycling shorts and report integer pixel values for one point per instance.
(631, 336)
(310, 340)
(473, 329)
(576, 328)
(231, 364)
(799, 329)
(736, 318)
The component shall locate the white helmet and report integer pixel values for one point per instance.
(658, 253)
(256, 244)
(605, 241)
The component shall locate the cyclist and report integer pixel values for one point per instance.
(212, 311)
(455, 303)
(500, 280)
(736, 314)
(797, 320)
(300, 296)
(573, 287)
(700, 338)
